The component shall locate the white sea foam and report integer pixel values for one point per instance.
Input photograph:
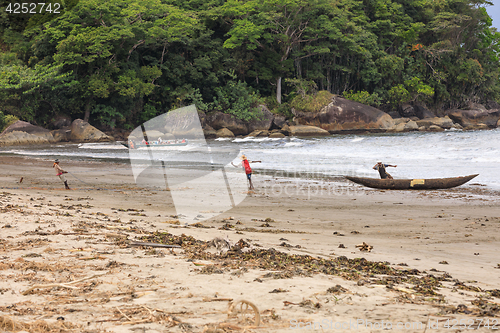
(417, 154)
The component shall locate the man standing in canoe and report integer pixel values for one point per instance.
(381, 170)
(60, 172)
(248, 170)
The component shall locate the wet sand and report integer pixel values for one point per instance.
(437, 255)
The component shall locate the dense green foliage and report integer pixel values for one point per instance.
(122, 62)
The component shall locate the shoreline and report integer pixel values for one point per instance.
(58, 236)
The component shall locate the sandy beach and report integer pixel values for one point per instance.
(70, 261)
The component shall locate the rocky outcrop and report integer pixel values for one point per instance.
(443, 122)
(22, 138)
(24, 133)
(434, 128)
(304, 130)
(224, 133)
(411, 126)
(263, 122)
(276, 135)
(422, 112)
(61, 135)
(278, 121)
(258, 133)
(407, 111)
(219, 120)
(209, 132)
(342, 115)
(475, 119)
(82, 131)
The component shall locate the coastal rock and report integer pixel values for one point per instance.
(277, 135)
(258, 133)
(435, 128)
(224, 133)
(398, 128)
(278, 121)
(254, 134)
(473, 119)
(443, 122)
(82, 131)
(411, 126)
(24, 133)
(400, 120)
(498, 123)
(61, 135)
(345, 115)
(23, 126)
(407, 110)
(422, 112)
(394, 114)
(264, 121)
(23, 138)
(219, 120)
(285, 129)
(303, 130)
(209, 132)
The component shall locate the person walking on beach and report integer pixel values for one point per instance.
(248, 170)
(60, 172)
(381, 170)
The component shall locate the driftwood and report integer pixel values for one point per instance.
(68, 285)
(154, 245)
(243, 308)
(215, 299)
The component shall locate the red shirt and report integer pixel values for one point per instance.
(246, 165)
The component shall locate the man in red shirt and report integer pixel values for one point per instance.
(248, 170)
(60, 172)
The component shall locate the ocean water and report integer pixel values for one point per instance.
(416, 154)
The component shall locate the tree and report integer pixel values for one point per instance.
(280, 27)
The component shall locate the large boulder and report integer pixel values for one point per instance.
(23, 126)
(219, 120)
(82, 131)
(422, 112)
(276, 135)
(24, 133)
(61, 135)
(303, 130)
(345, 115)
(400, 120)
(278, 121)
(443, 122)
(209, 132)
(23, 138)
(411, 126)
(475, 119)
(263, 122)
(407, 111)
(224, 133)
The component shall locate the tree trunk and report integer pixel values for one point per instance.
(88, 106)
(278, 90)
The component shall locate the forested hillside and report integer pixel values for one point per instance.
(122, 62)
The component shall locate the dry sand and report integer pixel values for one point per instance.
(434, 259)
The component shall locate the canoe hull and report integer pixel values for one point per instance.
(412, 184)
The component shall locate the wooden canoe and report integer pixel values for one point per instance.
(411, 184)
